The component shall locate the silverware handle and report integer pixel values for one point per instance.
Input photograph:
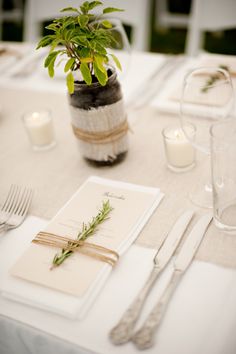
(122, 332)
(144, 337)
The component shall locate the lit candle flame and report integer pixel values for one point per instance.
(35, 115)
(177, 134)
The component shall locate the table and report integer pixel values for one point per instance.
(201, 314)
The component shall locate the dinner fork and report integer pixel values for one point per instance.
(19, 211)
(10, 203)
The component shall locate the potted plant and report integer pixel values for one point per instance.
(97, 109)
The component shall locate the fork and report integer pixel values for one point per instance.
(19, 211)
(9, 204)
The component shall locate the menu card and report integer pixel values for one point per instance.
(132, 206)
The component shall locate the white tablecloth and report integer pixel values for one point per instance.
(201, 317)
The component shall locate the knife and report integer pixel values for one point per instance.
(143, 338)
(122, 332)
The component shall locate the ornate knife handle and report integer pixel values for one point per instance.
(123, 331)
(144, 337)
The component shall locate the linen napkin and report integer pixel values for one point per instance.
(8, 57)
(66, 303)
(169, 100)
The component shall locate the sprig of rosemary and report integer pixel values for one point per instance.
(87, 231)
(213, 79)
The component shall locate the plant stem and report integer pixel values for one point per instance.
(87, 231)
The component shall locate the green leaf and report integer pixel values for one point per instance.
(69, 64)
(99, 60)
(80, 40)
(70, 82)
(70, 9)
(68, 22)
(108, 10)
(52, 27)
(51, 58)
(94, 4)
(98, 47)
(86, 73)
(54, 44)
(45, 41)
(83, 20)
(86, 60)
(68, 34)
(85, 53)
(101, 76)
(117, 62)
(52, 63)
(107, 24)
(85, 7)
(51, 70)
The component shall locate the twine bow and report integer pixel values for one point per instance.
(101, 253)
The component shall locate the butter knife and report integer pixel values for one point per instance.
(144, 337)
(122, 332)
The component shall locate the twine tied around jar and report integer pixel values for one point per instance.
(102, 137)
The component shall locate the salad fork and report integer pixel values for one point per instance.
(19, 211)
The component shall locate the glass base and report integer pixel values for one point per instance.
(44, 147)
(231, 230)
(201, 196)
(225, 218)
(180, 169)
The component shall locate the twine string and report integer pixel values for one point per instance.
(68, 244)
(102, 137)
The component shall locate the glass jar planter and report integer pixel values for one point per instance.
(99, 121)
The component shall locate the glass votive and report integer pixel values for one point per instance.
(180, 154)
(39, 128)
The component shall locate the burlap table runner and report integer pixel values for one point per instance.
(56, 174)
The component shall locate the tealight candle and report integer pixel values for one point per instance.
(39, 127)
(180, 154)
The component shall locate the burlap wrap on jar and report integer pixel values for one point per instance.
(99, 120)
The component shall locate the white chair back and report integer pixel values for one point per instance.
(13, 15)
(166, 19)
(136, 14)
(208, 15)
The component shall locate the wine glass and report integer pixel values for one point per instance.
(120, 47)
(207, 98)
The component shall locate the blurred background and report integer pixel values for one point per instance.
(168, 23)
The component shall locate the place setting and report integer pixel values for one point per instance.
(168, 100)
(97, 256)
(43, 276)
